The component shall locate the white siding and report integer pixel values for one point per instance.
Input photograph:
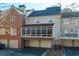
(44, 19)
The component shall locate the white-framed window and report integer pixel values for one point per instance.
(2, 31)
(36, 21)
(66, 22)
(37, 31)
(13, 19)
(65, 31)
(50, 20)
(13, 31)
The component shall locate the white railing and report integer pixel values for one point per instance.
(38, 36)
(70, 35)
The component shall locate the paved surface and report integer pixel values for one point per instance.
(71, 51)
(22, 52)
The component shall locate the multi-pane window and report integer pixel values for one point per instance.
(26, 31)
(70, 33)
(37, 31)
(13, 19)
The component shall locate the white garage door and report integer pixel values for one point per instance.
(67, 42)
(46, 43)
(34, 43)
(13, 43)
(4, 41)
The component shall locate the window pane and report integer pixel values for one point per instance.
(23, 32)
(33, 31)
(49, 31)
(28, 31)
(44, 31)
(38, 32)
(13, 19)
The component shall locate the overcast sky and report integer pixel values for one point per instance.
(38, 4)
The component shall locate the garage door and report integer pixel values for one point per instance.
(26, 43)
(13, 43)
(46, 43)
(4, 41)
(34, 43)
(76, 43)
(67, 42)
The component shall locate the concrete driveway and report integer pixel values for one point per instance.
(23, 52)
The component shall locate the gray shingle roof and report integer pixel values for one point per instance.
(70, 14)
(47, 12)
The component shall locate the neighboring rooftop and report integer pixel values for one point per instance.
(22, 6)
(70, 14)
(49, 11)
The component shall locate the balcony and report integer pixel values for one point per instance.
(70, 36)
(37, 31)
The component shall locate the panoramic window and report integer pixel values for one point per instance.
(37, 31)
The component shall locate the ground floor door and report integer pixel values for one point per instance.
(72, 43)
(26, 43)
(46, 43)
(67, 42)
(13, 44)
(76, 43)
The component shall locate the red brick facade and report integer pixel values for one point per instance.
(7, 24)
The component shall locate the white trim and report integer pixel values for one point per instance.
(74, 38)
